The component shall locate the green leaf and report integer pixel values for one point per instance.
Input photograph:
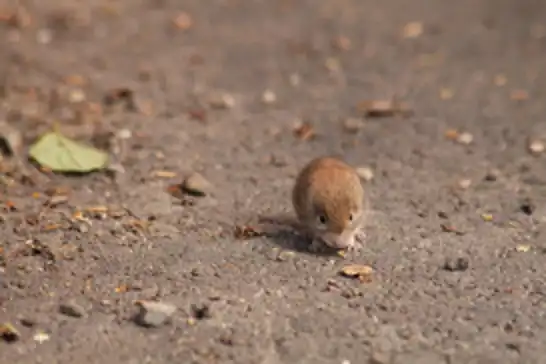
(58, 153)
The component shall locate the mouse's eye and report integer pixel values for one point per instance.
(322, 219)
(351, 217)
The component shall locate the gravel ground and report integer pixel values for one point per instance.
(244, 93)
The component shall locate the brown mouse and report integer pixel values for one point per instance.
(328, 198)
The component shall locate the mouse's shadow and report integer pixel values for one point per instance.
(287, 237)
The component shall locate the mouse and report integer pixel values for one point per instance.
(329, 201)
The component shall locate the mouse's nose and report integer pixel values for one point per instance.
(338, 241)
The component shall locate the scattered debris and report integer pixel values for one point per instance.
(459, 137)
(523, 248)
(9, 333)
(201, 311)
(60, 154)
(247, 232)
(269, 97)
(183, 21)
(72, 309)
(456, 265)
(164, 174)
(412, 30)
(195, 184)
(536, 147)
(487, 217)
(365, 173)
(304, 131)
(153, 313)
(384, 108)
(352, 125)
(40, 337)
(11, 139)
(362, 272)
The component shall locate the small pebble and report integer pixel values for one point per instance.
(72, 309)
(365, 173)
(465, 184)
(536, 147)
(40, 337)
(413, 30)
(222, 101)
(352, 125)
(465, 138)
(269, 97)
(154, 314)
(76, 96)
(196, 184)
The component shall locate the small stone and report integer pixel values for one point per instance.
(40, 337)
(72, 309)
(10, 139)
(456, 265)
(366, 173)
(75, 96)
(465, 138)
(413, 30)
(124, 134)
(352, 125)
(196, 184)
(464, 184)
(523, 248)
(154, 314)
(536, 147)
(183, 21)
(222, 100)
(269, 97)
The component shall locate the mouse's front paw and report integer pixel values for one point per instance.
(316, 245)
(360, 236)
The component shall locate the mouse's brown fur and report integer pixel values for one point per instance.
(328, 199)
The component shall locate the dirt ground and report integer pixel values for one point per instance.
(457, 229)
